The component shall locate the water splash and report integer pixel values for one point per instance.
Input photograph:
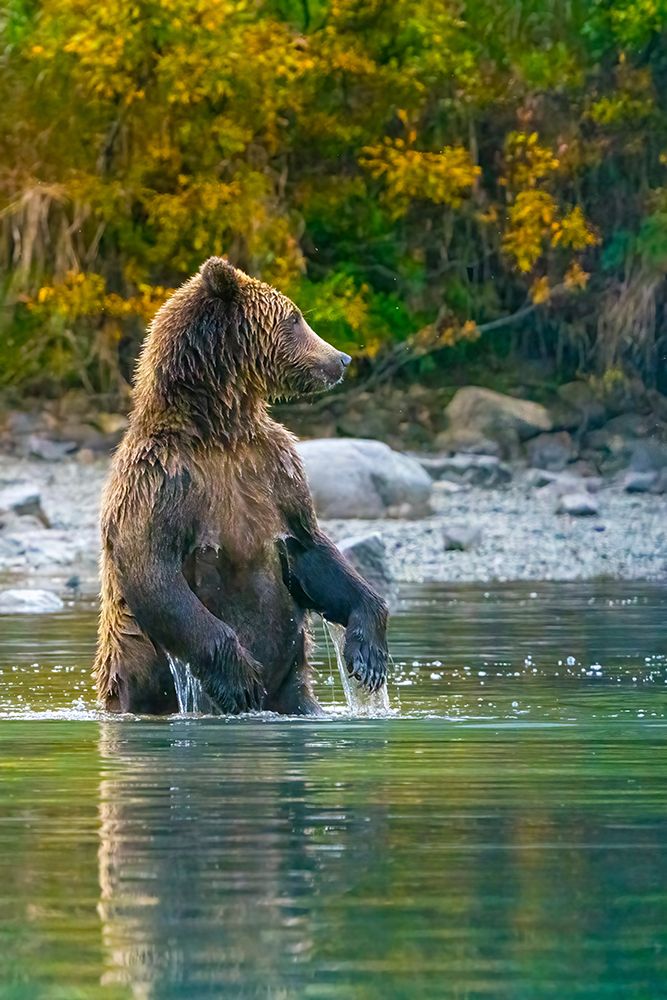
(189, 692)
(359, 700)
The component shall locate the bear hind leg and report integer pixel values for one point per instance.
(133, 676)
(295, 695)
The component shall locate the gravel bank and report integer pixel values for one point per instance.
(522, 538)
(520, 535)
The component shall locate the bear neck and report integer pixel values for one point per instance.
(197, 374)
(228, 414)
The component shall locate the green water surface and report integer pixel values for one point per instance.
(504, 835)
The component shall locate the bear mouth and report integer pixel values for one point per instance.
(310, 384)
(329, 381)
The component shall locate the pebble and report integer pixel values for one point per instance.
(578, 505)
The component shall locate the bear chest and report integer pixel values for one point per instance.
(242, 517)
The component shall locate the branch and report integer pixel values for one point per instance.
(409, 350)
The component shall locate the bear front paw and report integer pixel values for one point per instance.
(239, 686)
(366, 658)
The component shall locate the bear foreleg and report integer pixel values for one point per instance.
(321, 579)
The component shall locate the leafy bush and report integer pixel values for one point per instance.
(411, 170)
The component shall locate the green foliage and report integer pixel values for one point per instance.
(423, 165)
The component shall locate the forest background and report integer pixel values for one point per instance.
(438, 184)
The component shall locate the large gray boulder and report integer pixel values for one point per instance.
(364, 479)
(496, 416)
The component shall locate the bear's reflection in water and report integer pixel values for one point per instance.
(218, 856)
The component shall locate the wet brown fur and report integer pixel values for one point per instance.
(210, 546)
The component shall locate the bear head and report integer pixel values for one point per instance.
(282, 354)
(222, 345)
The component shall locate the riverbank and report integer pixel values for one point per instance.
(474, 534)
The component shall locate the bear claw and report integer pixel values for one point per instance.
(238, 686)
(366, 660)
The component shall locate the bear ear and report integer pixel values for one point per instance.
(220, 277)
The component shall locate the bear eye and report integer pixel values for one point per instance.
(295, 320)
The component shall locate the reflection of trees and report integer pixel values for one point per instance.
(378, 860)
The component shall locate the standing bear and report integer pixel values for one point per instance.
(211, 551)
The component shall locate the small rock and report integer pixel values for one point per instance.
(632, 425)
(660, 484)
(538, 478)
(639, 482)
(445, 487)
(85, 435)
(368, 555)
(23, 499)
(649, 456)
(461, 537)
(658, 403)
(49, 450)
(363, 421)
(583, 468)
(467, 442)
(47, 549)
(473, 470)
(551, 451)
(558, 484)
(578, 505)
(18, 423)
(625, 395)
(401, 511)
(29, 602)
(15, 524)
(12, 552)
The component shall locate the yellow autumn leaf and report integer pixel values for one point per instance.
(575, 277)
(540, 291)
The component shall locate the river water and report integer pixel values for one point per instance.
(503, 835)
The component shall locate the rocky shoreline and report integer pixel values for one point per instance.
(510, 490)
(474, 533)
(516, 533)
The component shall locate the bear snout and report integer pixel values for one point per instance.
(334, 371)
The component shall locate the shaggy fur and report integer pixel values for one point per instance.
(211, 551)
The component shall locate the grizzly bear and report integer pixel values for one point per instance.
(211, 551)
